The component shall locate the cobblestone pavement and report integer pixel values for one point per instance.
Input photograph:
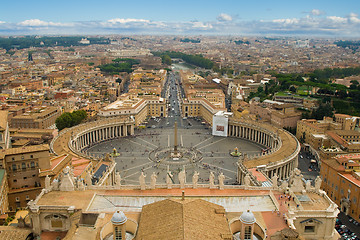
(134, 154)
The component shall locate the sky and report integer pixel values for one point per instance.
(186, 17)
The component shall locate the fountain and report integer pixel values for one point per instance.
(115, 153)
(235, 153)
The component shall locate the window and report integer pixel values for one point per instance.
(13, 159)
(23, 166)
(31, 156)
(14, 167)
(14, 180)
(117, 233)
(17, 199)
(309, 229)
(27, 197)
(32, 164)
(247, 234)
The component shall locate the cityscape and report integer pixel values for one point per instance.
(234, 122)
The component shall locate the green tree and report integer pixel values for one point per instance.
(324, 110)
(67, 120)
(166, 59)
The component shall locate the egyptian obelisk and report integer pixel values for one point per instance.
(175, 140)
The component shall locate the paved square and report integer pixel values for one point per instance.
(134, 154)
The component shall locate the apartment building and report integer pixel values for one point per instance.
(138, 108)
(4, 189)
(22, 166)
(37, 117)
(341, 181)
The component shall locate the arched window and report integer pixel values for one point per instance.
(247, 234)
(117, 233)
(14, 167)
(23, 166)
(32, 164)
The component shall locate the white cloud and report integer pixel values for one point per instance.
(40, 23)
(286, 20)
(127, 20)
(336, 19)
(353, 17)
(202, 25)
(316, 12)
(223, 17)
(312, 24)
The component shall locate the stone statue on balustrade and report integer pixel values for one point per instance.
(318, 182)
(88, 180)
(47, 183)
(296, 182)
(247, 180)
(80, 185)
(182, 176)
(153, 180)
(284, 186)
(169, 180)
(308, 185)
(117, 180)
(55, 184)
(274, 180)
(221, 178)
(142, 181)
(195, 179)
(212, 180)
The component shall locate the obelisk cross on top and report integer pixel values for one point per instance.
(175, 139)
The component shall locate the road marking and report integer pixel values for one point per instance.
(212, 143)
(127, 169)
(139, 144)
(203, 141)
(137, 172)
(148, 142)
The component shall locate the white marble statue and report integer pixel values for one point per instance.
(318, 182)
(182, 176)
(117, 179)
(221, 178)
(212, 180)
(169, 180)
(88, 180)
(284, 186)
(55, 184)
(47, 182)
(297, 184)
(308, 185)
(80, 184)
(142, 181)
(195, 179)
(274, 180)
(247, 180)
(153, 180)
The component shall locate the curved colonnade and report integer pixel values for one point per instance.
(74, 140)
(282, 148)
(280, 157)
